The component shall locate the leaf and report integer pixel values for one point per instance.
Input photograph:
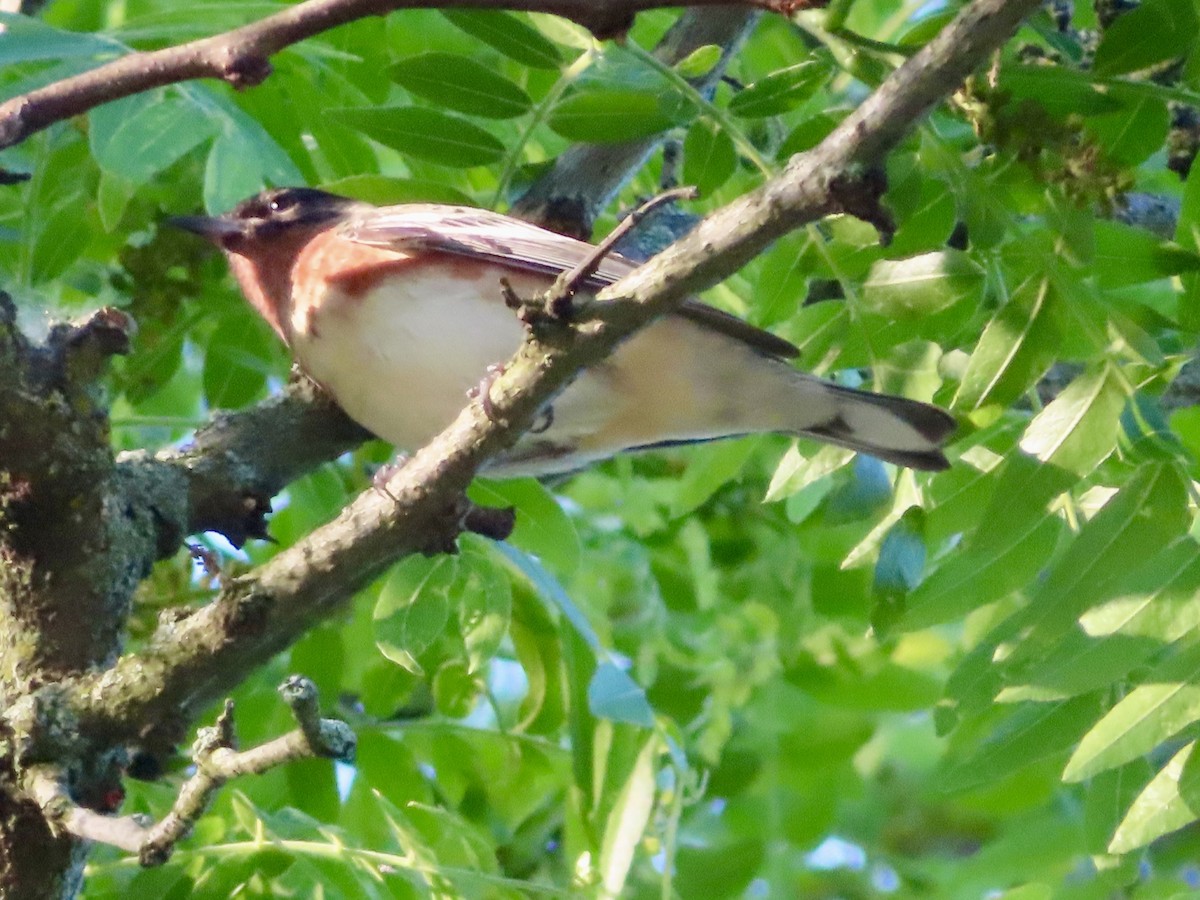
(424, 133)
(1130, 135)
(1167, 804)
(149, 140)
(238, 360)
(699, 62)
(921, 285)
(1031, 733)
(709, 157)
(413, 608)
(1016, 348)
(459, 83)
(1079, 428)
(709, 469)
(611, 115)
(1014, 538)
(1062, 92)
(512, 36)
(549, 589)
(455, 689)
(779, 91)
(484, 606)
(27, 39)
(613, 695)
(899, 567)
(1145, 717)
(1153, 32)
(1129, 255)
(383, 190)
(542, 528)
(627, 821)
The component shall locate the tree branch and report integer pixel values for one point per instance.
(242, 57)
(198, 658)
(217, 761)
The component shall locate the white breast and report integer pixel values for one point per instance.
(401, 357)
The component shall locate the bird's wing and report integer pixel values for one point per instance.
(487, 235)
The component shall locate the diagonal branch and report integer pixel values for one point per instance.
(242, 57)
(200, 657)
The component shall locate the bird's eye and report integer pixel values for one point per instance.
(281, 203)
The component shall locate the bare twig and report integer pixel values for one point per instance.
(217, 761)
(558, 297)
(242, 57)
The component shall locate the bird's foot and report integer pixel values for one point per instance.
(483, 390)
(384, 473)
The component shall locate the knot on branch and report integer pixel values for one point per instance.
(860, 194)
(242, 70)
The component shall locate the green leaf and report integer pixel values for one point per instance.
(58, 244)
(610, 115)
(1014, 539)
(27, 39)
(779, 91)
(413, 608)
(1167, 804)
(237, 362)
(1062, 92)
(455, 689)
(383, 190)
(424, 133)
(922, 285)
(512, 36)
(1153, 32)
(709, 469)
(459, 83)
(551, 591)
(699, 62)
(1130, 135)
(1145, 717)
(1079, 428)
(542, 527)
(484, 607)
(709, 157)
(1016, 348)
(1031, 733)
(627, 821)
(149, 140)
(1129, 255)
(613, 695)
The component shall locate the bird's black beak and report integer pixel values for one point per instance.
(214, 228)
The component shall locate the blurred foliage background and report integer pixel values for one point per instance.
(868, 684)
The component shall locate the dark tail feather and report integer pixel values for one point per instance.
(895, 429)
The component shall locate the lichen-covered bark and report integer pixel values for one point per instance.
(70, 557)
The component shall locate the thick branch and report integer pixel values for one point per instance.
(242, 56)
(194, 660)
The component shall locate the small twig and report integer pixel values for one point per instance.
(557, 299)
(217, 761)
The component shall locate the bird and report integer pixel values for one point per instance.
(398, 311)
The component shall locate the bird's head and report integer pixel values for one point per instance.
(280, 215)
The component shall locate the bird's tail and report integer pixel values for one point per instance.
(896, 429)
